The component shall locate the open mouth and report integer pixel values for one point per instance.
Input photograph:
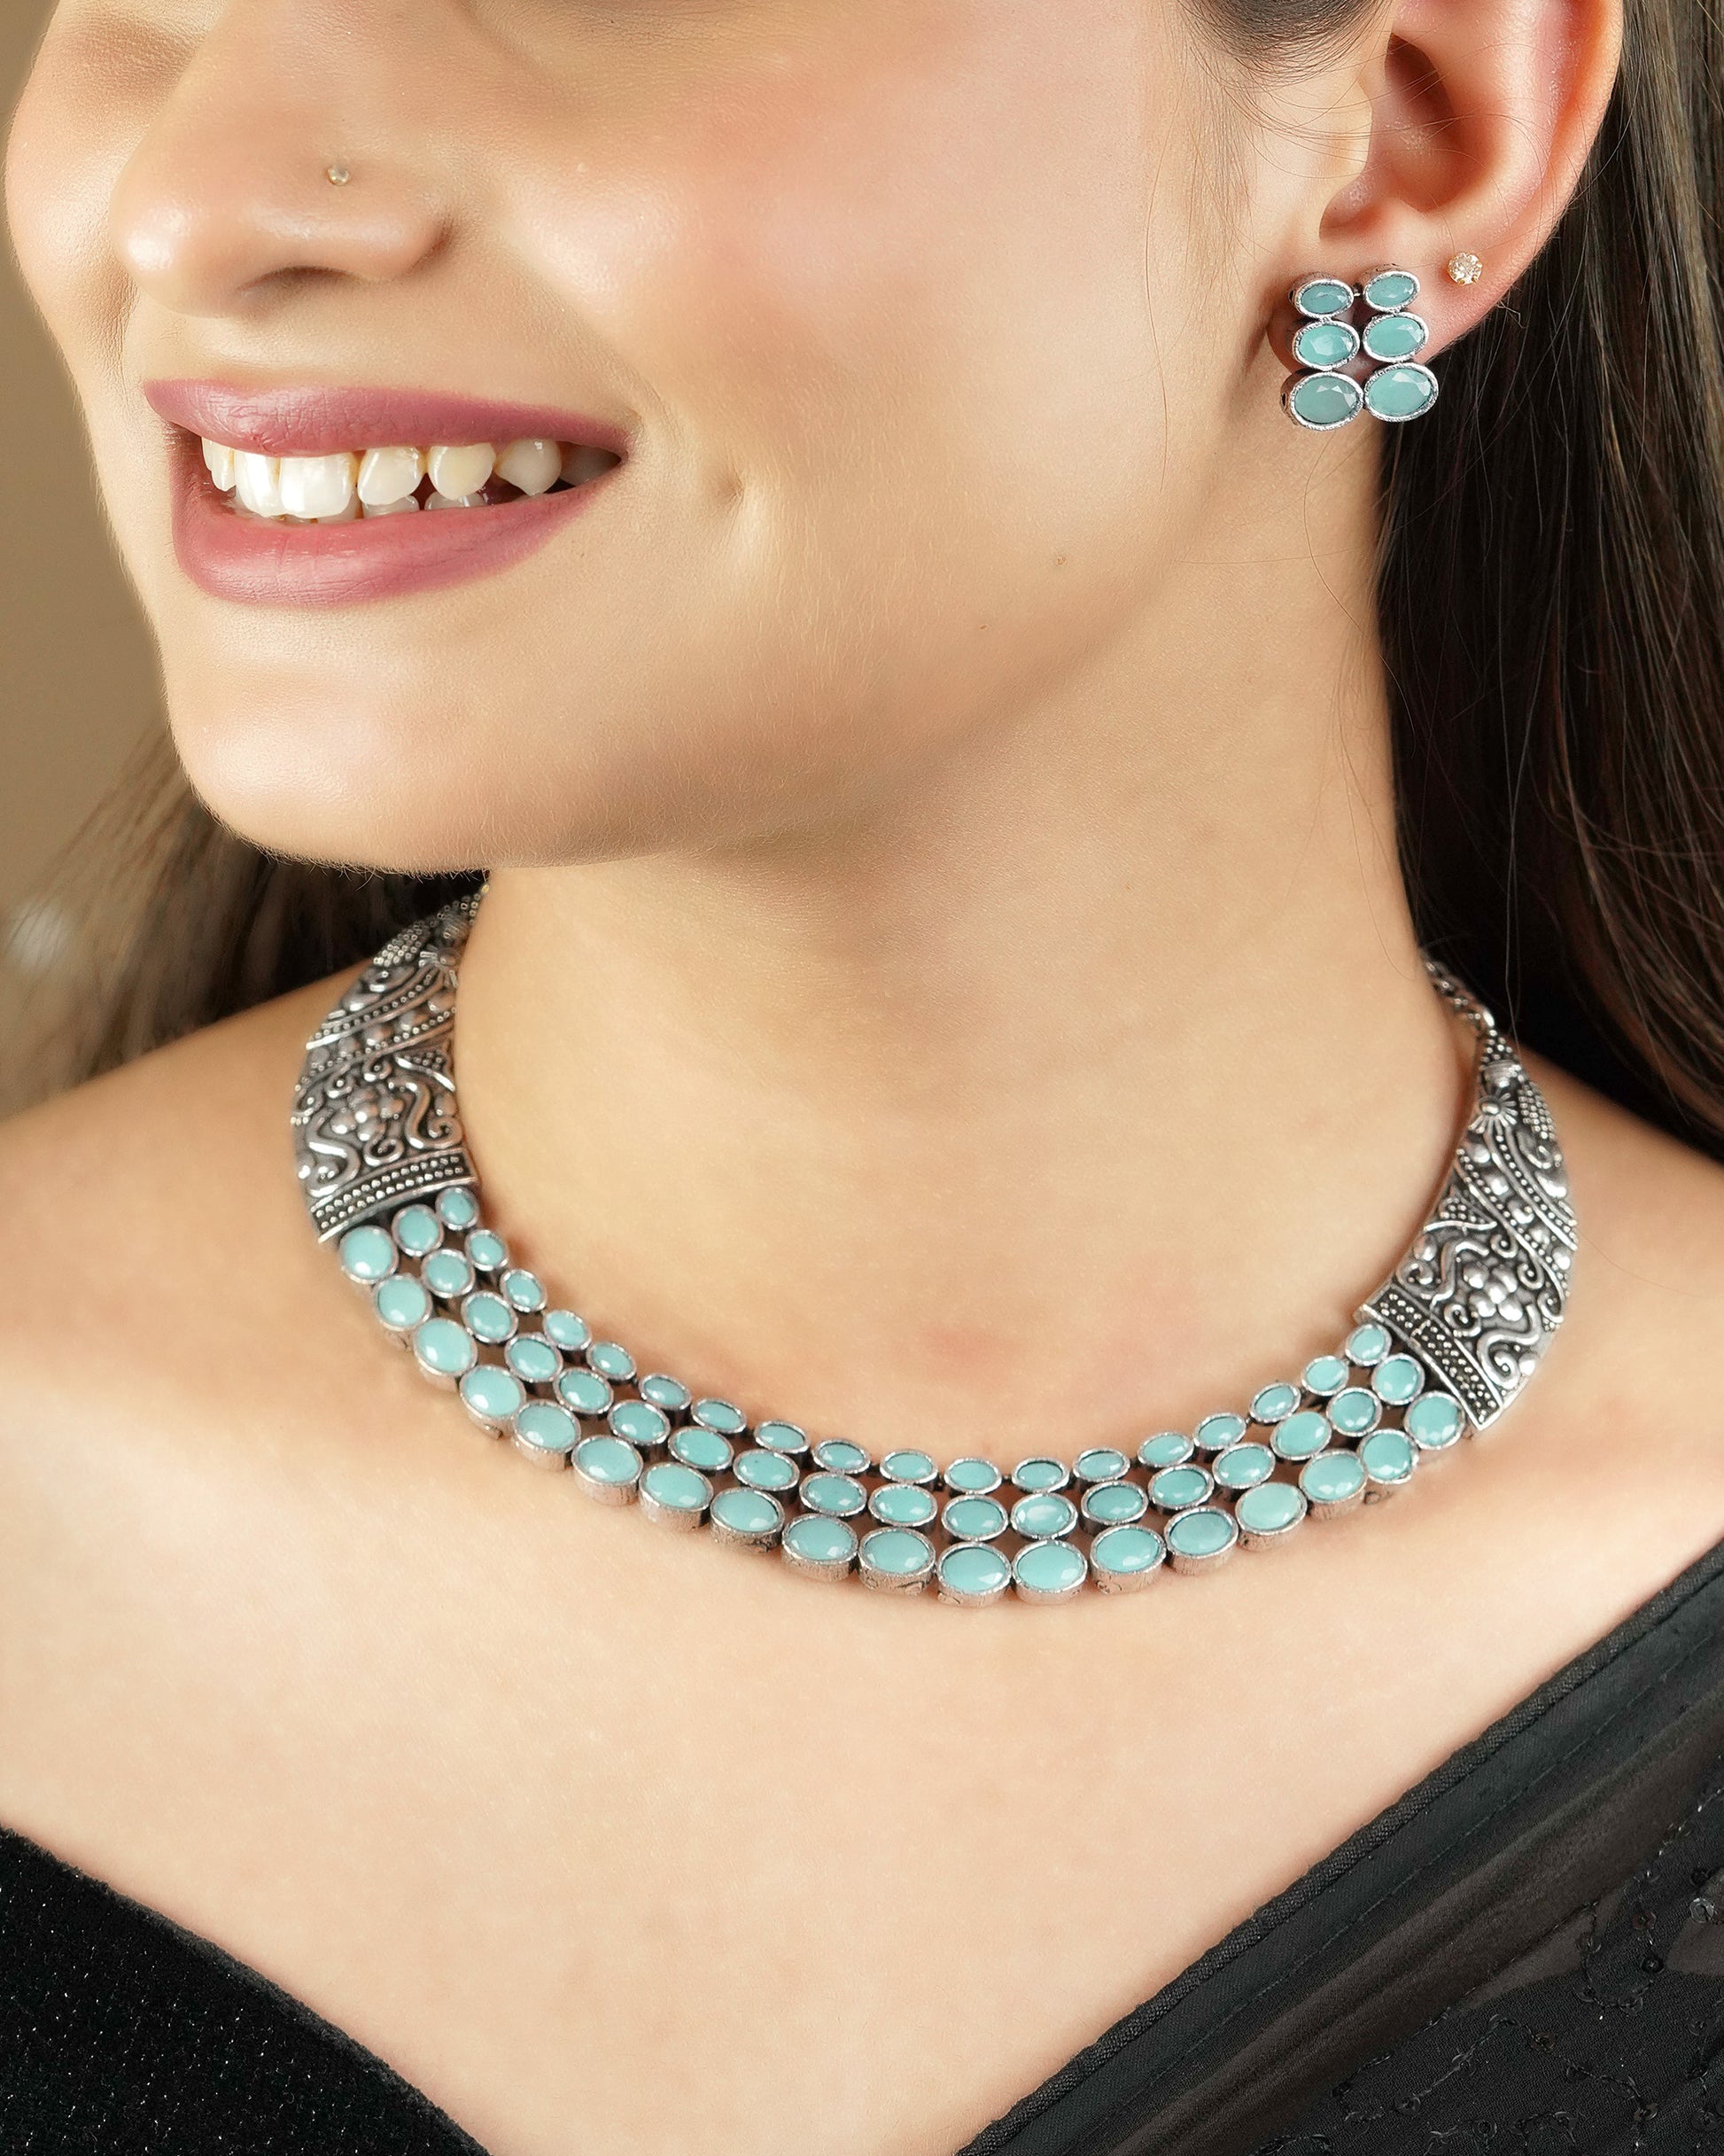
(326, 497)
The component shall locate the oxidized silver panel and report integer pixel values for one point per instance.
(375, 1123)
(1482, 1289)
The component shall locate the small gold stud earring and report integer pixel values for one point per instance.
(337, 176)
(1464, 268)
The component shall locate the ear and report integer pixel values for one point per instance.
(1482, 114)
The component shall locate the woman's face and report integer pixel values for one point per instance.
(916, 325)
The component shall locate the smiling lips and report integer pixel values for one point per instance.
(297, 497)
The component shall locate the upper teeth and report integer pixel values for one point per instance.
(379, 482)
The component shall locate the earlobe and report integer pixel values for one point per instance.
(1483, 114)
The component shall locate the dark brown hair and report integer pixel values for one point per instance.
(1552, 614)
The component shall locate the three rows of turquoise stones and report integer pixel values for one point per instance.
(1398, 388)
(557, 1391)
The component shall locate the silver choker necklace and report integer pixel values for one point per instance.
(1442, 1349)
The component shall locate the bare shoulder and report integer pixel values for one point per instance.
(159, 1211)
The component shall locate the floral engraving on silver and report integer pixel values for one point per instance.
(1481, 1292)
(374, 1113)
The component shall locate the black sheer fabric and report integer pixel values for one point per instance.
(1524, 1956)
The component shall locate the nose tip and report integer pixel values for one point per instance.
(203, 217)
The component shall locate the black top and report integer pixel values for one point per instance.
(1519, 1955)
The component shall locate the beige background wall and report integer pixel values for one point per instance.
(77, 677)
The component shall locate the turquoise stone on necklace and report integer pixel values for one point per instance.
(904, 1504)
(974, 1519)
(896, 1557)
(972, 1574)
(1121, 1558)
(1115, 1503)
(533, 1360)
(1433, 1421)
(1353, 1424)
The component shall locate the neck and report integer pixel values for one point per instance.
(1081, 1082)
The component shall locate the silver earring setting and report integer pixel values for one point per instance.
(1320, 393)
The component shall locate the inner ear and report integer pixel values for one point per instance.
(1416, 153)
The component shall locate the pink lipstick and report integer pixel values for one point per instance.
(257, 556)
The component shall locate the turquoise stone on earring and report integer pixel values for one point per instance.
(1319, 297)
(1323, 400)
(1395, 337)
(365, 1254)
(1385, 289)
(1400, 393)
(895, 1557)
(1325, 344)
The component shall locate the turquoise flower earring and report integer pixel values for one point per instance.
(1320, 394)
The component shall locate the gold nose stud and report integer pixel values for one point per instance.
(337, 176)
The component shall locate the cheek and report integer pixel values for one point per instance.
(925, 270)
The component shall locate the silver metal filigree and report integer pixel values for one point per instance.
(1480, 1293)
(375, 1122)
